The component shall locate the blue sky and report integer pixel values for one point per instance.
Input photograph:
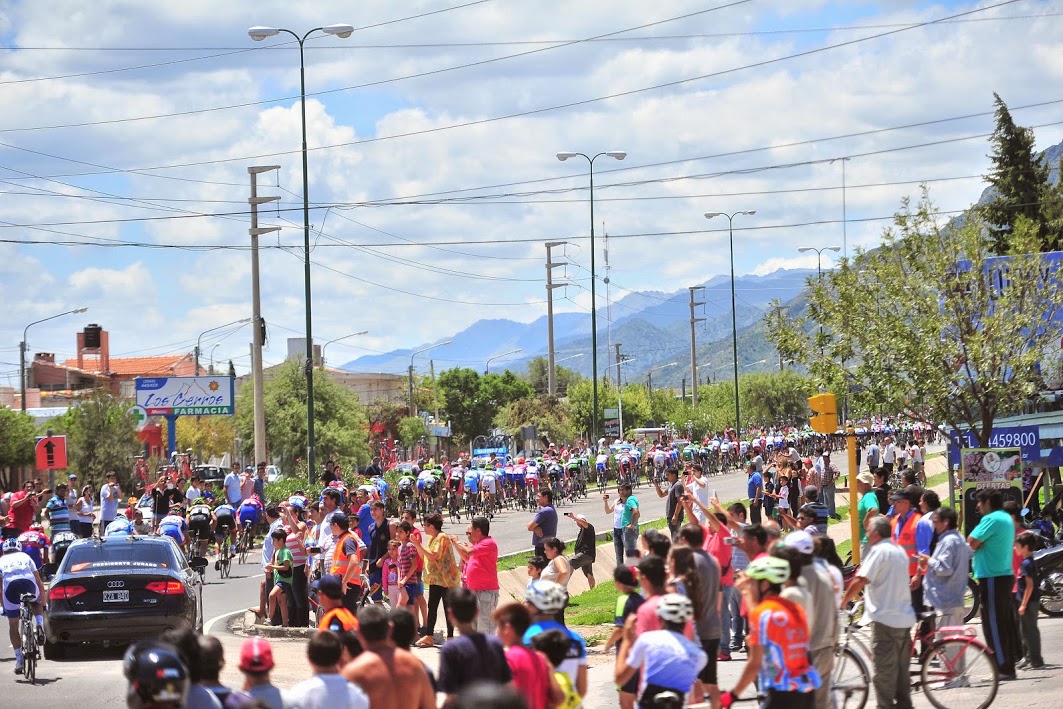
(412, 273)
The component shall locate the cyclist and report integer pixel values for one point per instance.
(489, 484)
(471, 483)
(249, 513)
(199, 524)
(407, 485)
(531, 475)
(19, 576)
(381, 488)
(778, 639)
(34, 543)
(224, 526)
(175, 527)
(120, 526)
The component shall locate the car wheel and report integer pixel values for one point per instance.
(54, 651)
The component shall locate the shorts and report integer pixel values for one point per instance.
(393, 594)
(247, 517)
(532, 483)
(708, 672)
(223, 526)
(376, 579)
(632, 685)
(284, 586)
(582, 561)
(413, 590)
(199, 528)
(405, 492)
(173, 533)
(13, 592)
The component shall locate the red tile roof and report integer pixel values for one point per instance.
(172, 365)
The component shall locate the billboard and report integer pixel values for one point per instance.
(989, 469)
(186, 396)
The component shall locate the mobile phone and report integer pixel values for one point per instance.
(731, 541)
(714, 492)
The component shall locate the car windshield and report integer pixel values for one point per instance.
(124, 556)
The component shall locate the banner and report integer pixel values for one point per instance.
(989, 469)
(186, 396)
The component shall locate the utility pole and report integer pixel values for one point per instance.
(684, 390)
(258, 326)
(777, 309)
(619, 361)
(693, 345)
(551, 376)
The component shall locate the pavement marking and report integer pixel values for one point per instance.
(210, 623)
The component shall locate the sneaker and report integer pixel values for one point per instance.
(723, 657)
(1036, 666)
(19, 667)
(1021, 664)
(957, 683)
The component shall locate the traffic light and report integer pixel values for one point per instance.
(824, 417)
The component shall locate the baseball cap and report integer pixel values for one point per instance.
(71, 477)
(256, 655)
(338, 516)
(330, 585)
(900, 495)
(866, 477)
(799, 540)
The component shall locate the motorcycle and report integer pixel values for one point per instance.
(1050, 565)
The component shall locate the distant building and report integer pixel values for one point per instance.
(369, 386)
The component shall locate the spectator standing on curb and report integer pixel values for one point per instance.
(256, 662)
(327, 688)
(58, 512)
(629, 520)
(867, 507)
(945, 570)
(544, 523)
(616, 509)
(673, 509)
(828, 479)
(473, 656)
(440, 573)
(1028, 595)
(888, 603)
(993, 540)
(231, 483)
(755, 492)
(706, 607)
(22, 509)
(481, 569)
(585, 550)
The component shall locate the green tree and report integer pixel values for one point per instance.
(385, 414)
(17, 431)
(537, 376)
(775, 397)
(101, 435)
(472, 402)
(546, 413)
(207, 436)
(411, 429)
(339, 419)
(928, 322)
(1019, 177)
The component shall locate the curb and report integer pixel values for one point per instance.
(245, 625)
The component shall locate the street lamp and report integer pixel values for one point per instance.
(819, 256)
(413, 410)
(199, 339)
(22, 350)
(616, 155)
(734, 312)
(649, 375)
(210, 370)
(258, 34)
(487, 366)
(353, 334)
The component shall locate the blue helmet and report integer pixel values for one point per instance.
(11, 545)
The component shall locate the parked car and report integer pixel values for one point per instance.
(210, 473)
(117, 590)
(273, 473)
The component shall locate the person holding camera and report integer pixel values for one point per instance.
(110, 495)
(673, 510)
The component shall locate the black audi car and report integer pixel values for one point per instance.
(121, 589)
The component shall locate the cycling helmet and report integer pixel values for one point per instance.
(157, 676)
(297, 502)
(37, 527)
(769, 568)
(547, 596)
(675, 608)
(11, 545)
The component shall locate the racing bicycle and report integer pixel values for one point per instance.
(243, 544)
(27, 631)
(225, 559)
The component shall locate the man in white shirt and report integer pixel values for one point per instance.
(110, 496)
(889, 455)
(888, 603)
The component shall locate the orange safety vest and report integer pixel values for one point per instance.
(344, 617)
(906, 539)
(341, 561)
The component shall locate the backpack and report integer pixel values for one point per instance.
(572, 698)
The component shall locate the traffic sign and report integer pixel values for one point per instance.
(612, 427)
(51, 452)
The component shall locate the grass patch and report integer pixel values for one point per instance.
(844, 548)
(515, 561)
(593, 607)
(596, 639)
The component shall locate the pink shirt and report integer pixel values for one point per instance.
(531, 677)
(722, 553)
(481, 569)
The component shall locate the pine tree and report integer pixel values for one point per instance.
(1020, 179)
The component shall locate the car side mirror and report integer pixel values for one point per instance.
(198, 563)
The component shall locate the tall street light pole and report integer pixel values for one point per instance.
(413, 408)
(353, 334)
(649, 375)
(616, 155)
(22, 351)
(258, 34)
(819, 256)
(487, 366)
(734, 310)
(199, 340)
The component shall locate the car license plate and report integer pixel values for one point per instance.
(116, 596)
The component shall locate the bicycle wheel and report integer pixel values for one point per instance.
(850, 680)
(226, 561)
(243, 545)
(959, 673)
(29, 649)
(971, 600)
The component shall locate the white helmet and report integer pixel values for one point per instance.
(675, 608)
(547, 596)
